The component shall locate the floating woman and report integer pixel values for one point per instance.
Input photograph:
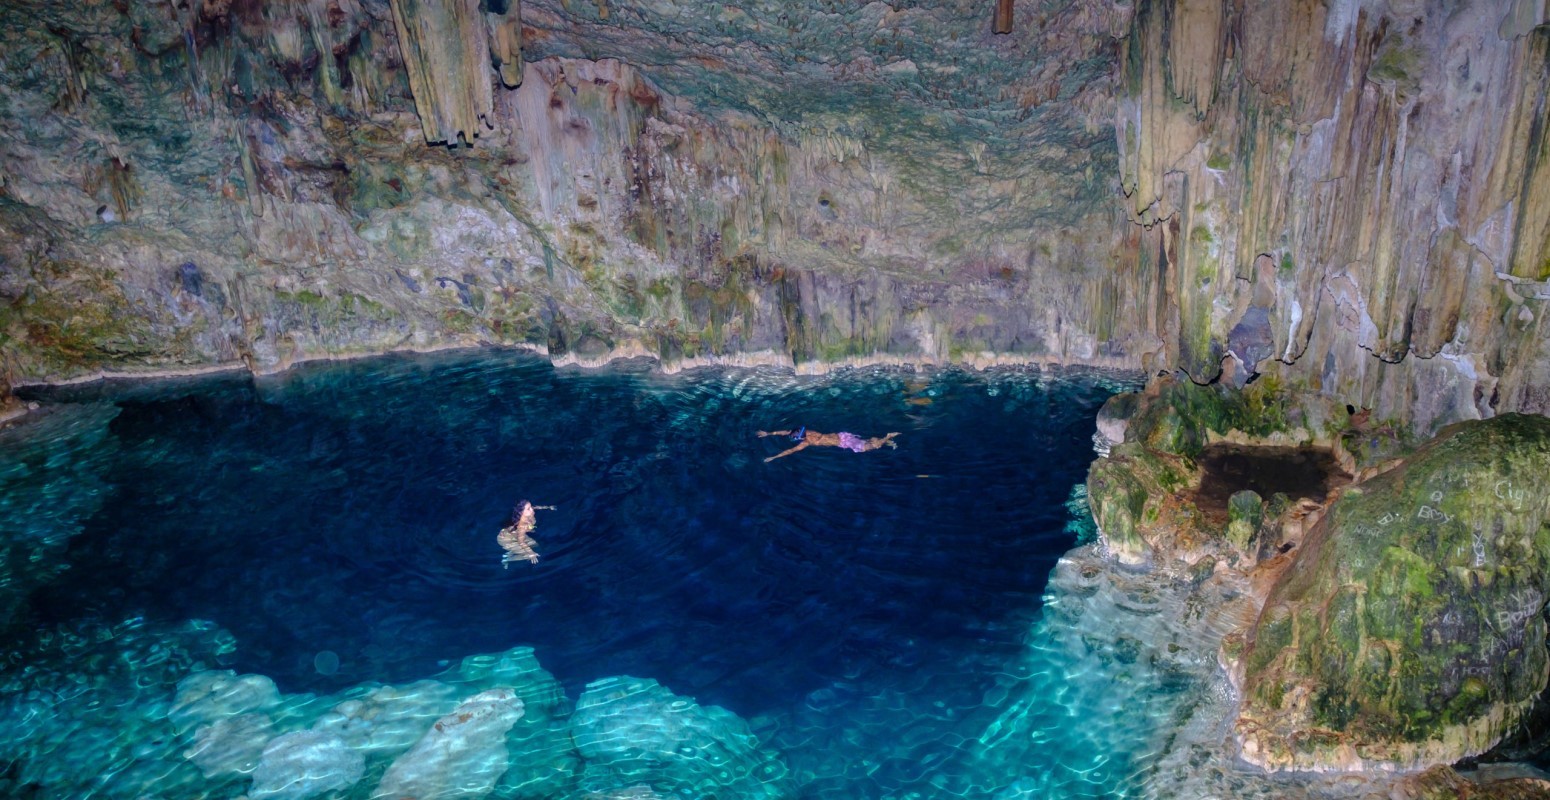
(514, 538)
(806, 438)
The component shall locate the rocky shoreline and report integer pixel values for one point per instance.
(1385, 632)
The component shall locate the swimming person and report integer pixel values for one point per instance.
(514, 538)
(849, 441)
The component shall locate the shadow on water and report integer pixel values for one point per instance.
(352, 510)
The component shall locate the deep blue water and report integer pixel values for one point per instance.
(352, 508)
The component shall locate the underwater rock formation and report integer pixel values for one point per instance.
(632, 732)
(305, 764)
(462, 755)
(1410, 631)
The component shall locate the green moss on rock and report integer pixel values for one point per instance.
(1416, 610)
(1245, 513)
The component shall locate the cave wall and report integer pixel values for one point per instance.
(200, 183)
(1351, 196)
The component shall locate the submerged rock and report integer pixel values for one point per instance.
(206, 697)
(634, 735)
(462, 755)
(1411, 630)
(305, 764)
(231, 746)
(388, 720)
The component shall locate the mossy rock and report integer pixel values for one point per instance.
(1245, 513)
(1180, 415)
(1411, 629)
(1132, 494)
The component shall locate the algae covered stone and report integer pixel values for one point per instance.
(1411, 630)
(1245, 513)
(1132, 497)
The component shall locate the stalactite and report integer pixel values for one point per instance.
(506, 41)
(447, 56)
(1003, 22)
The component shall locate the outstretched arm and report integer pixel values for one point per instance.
(786, 453)
(763, 434)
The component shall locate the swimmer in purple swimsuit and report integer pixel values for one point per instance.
(805, 438)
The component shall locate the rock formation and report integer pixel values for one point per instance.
(1402, 616)
(1353, 196)
(462, 755)
(1347, 204)
(632, 732)
(1411, 630)
(235, 183)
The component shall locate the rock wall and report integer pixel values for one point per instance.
(1353, 195)
(222, 183)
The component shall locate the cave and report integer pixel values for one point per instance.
(639, 399)
(1296, 472)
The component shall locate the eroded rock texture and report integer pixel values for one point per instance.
(213, 182)
(1353, 195)
(1410, 631)
(1357, 191)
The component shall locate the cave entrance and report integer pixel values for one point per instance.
(1298, 472)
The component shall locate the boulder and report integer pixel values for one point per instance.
(231, 746)
(463, 755)
(388, 720)
(1410, 631)
(305, 764)
(635, 735)
(205, 697)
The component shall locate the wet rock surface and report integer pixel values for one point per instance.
(1410, 631)
(1401, 624)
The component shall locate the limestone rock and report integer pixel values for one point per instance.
(1342, 196)
(446, 54)
(1127, 492)
(305, 764)
(1410, 631)
(635, 733)
(231, 745)
(462, 755)
(1245, 513)
(1114, 416)
(388, 720)
(207, 697)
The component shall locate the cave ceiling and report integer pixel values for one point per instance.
(924, 84)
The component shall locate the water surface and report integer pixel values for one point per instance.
(871, 615)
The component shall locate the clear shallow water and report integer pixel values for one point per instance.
(875, 619)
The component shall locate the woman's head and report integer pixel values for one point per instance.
(799, 434)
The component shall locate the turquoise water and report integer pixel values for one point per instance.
(291, 588)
